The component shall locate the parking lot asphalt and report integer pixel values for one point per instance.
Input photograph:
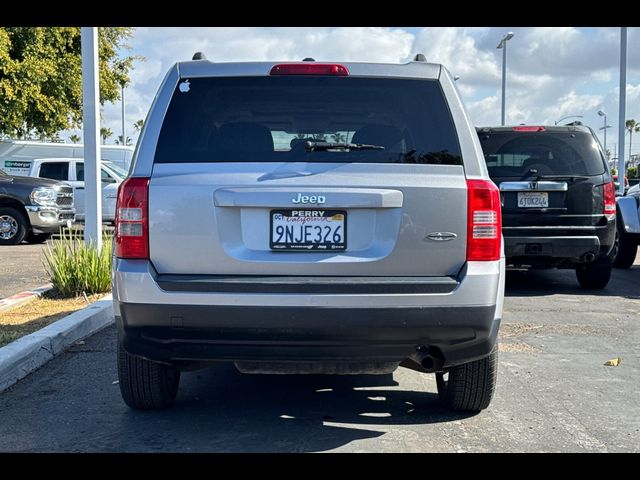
(21, 268)
(554, 393)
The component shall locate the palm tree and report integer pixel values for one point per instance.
(339, 137)
(105, 133)
(74, 138)
(631, 126)
(119, 140)
(138, 125)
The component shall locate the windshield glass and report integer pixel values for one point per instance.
(269, 119)
(522, 154)
(121, 172)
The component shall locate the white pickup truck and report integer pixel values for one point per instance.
(71, 171)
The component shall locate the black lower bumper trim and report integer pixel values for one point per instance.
(173, 333)
(305, 284)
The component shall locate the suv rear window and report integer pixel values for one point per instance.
(515, 154)
(269, 119)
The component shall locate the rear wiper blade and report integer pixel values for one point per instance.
(559, 177)
(313, 146)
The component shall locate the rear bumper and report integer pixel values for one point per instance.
(203, 325)
(552, 242)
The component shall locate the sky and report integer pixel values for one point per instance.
(552, 72)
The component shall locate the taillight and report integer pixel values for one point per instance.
(132, 221)
(484, 221)
(310, 69)
(609, 192)
(528, 129)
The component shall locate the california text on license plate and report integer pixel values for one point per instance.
(309, 230)
(533, 199)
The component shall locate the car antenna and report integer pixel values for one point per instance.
(199, 56)
(419, 58)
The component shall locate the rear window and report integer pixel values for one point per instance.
(519, 154)
(269, 119)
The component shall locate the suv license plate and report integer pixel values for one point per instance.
(308, 230)
(533, 199)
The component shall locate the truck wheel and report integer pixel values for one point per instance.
(35, 238)
(13, 226)
(469, 387)
(146, 385)
(594, 275)
(626, 250)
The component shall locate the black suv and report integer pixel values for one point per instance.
(558, 198)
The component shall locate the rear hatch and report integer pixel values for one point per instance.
(547, 176)
(308, 175)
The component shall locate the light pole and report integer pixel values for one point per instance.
(567, 116)
(503, 45)
(623, 106)
(604, 127)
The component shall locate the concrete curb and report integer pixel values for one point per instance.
(23, 297)
(20, 358)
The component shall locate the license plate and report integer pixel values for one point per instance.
(533, 199)
(308, 230)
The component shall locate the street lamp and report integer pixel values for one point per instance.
(567, 116)
(503, 45)
(604, 127)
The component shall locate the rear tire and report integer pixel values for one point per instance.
(13, 226)
(627, 248)
(594, 275)
(36, 238)
(470, 386)
(144, 384)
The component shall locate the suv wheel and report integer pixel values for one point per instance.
(594, 275)
(469, 387)
(146, 385)
(626, 248)
(13, 226)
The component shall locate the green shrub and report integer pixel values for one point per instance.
(75, 268)
(632, 172)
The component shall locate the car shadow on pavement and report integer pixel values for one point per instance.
(533, 283)
(220, 409)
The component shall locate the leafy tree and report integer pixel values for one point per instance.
(105, 133)
(74, 138)
(138, 125)
(632, 172)
(631, 126)
(41, 81)
(119, 140)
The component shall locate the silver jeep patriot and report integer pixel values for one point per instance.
(308, 218)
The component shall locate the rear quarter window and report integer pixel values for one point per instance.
(269, 119)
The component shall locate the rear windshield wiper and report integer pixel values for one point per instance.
(312, 146)
(572, 178)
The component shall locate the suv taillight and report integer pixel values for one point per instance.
(609, 192)
(132, 221)
(484, 221)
